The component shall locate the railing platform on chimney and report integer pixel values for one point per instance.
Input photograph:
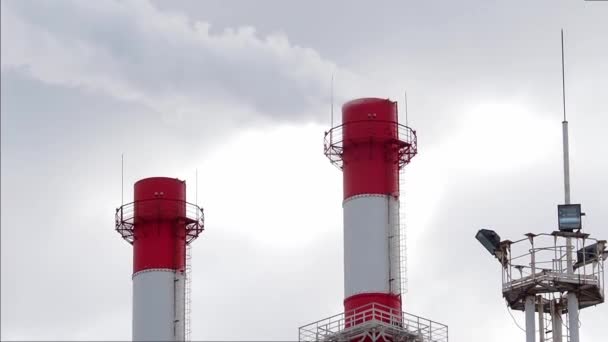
(374, 322)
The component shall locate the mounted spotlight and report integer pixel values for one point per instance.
(569, 217)
(590, 254)
(489, 239)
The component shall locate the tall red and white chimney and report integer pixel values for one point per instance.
(370, 147)
(160, 225)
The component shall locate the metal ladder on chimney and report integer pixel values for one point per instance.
(398, 247)
(188, 291)
(402, 235)
(394, 245)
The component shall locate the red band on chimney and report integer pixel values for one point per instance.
(159, 226)
(370, 156)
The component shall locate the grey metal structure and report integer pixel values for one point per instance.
(536, 278)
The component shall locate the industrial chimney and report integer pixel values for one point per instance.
(160, 225)
(371, 147)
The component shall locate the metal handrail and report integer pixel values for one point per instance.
(189, 214)
(405, 137)
(327, 328)
(539, 264)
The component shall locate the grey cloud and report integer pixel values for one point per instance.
(165, 61)
(447, 54)
(84, 81)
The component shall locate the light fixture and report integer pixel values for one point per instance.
(590, 254)
(569, 217)
(489, 239)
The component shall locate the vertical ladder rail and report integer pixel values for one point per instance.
(548, 321)
(402, 235)
(547, 328)
(188, 298)
(567, 327)
(394, 249)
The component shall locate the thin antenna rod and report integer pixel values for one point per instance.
(122, 179)
(196, 186)
(405, 95)
(565, 134)
(332, 101)
(563, 78)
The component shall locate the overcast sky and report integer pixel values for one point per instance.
(240, 91)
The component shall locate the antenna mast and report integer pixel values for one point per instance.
(332, 101)
(533, 291)
(565, 133)
(122, 179)
(405, 95)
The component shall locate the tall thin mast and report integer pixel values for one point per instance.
(332, 101)
(565, 133)
(122, 179)
(405, 98)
